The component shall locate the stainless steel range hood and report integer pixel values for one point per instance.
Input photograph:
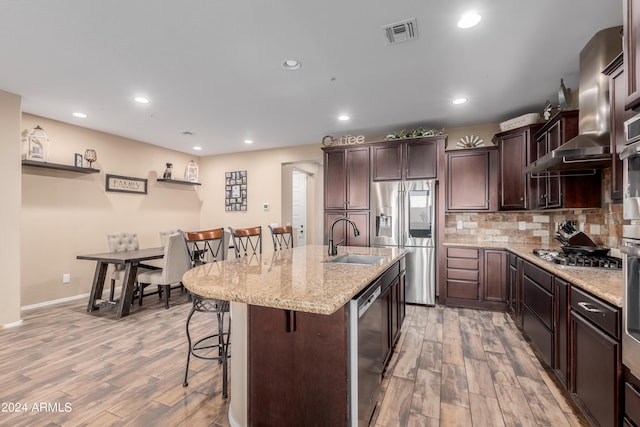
(591, 148)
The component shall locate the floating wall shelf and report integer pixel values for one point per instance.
(178, 181)
(58, 166)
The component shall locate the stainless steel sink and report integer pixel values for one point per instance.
(356, 259)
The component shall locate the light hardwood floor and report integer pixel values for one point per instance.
(451, 367)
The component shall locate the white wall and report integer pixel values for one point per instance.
(10, 212)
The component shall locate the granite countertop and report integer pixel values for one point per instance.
(603, 283)
(297, 279)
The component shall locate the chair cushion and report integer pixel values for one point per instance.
(153, 277)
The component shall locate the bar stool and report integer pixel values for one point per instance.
(247, 241)
(282, 237)
(209, 246)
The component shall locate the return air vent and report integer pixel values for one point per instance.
(401, 31)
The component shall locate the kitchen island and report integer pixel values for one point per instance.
(292, 330)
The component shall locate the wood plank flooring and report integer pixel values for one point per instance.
(451, 367)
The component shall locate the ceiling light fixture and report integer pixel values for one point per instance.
(291, 64)
(468, 20)
(459, 101)
(248, 141)
(197, 148)
(80, 115)
(343, 118)
(141, 100)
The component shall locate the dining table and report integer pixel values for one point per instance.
(131, 260)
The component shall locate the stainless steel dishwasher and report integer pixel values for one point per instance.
(366, 353)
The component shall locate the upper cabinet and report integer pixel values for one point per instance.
(631, 12)
(516, 148)
(414, 158)
(472, 179)
(346, 178)
(617, 96)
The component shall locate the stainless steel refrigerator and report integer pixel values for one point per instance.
(403, 215)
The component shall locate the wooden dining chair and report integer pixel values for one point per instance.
(247, 241)
(282, 237)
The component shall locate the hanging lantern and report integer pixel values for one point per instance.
(37, 145)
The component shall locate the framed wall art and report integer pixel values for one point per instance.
(235, 191)
(126, 184)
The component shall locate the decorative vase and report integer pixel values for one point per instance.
(90, 155)
(191, 172)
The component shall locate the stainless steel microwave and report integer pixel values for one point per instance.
(632, 138)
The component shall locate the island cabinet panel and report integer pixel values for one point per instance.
(346, 177)
(595, 358)
(407, 159)
(631, 20)
(472, 180)
(344, 231)
(305, 385)
(515, 147)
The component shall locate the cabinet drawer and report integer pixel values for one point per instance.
(539, 334)
(464, 263)
(632, 403)
(603, 315)
(540, 276)
(513, 259)
(463, 253)
(472, 275)
(462, 290)
(539, 301)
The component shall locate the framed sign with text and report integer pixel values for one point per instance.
(126, 184)
(235, 191)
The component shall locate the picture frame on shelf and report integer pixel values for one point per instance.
(78, 161)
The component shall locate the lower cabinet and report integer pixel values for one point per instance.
(595, 358)
(515, 288)
(561, 331)
(477, 278)
(538, 310)
(631, 399)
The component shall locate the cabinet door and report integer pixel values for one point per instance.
(495, 276)
(631, 14)
(420, 160)
(617, 94)
(513, 280)
(553, 182)
(339, 230)
(561, 331)
(357, 173)
(361, 219)
(541, 181)
(335, 178)
(387, 161)
(387, 332)
(468, 180)
(513, 183)
(594, 381)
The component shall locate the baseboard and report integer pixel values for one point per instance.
(53, 302)
(12, 324)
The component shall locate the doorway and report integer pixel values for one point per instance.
(299, 206)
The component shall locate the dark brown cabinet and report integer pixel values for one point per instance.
(516, 148)
(595, 358)
(315, 342)
(472, 179)
(561, 330)
(538, 310)
(631, 399)
(516, 275)
(476, 278)
(617, 95)
(631, 20)
(556, 190)
(407, 159)
(344, 232)
(346, 178)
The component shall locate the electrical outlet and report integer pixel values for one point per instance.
(459, 225)
(522, 225)
(66, 278)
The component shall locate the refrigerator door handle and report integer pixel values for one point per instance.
(401, 210)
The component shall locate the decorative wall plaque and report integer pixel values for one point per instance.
(235, 191)
(126, 184)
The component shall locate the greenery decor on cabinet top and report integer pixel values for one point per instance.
(416, 133)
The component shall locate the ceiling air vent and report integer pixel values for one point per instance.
(401, 31)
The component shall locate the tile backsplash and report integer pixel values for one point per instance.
(603, 225)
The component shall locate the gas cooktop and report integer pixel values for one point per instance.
(579, 260)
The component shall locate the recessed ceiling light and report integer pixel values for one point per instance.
(80, 115)
(459, 101)
(248, 141)
(343, 118)
(197, 148)
(186, 133)
(141, 100)
(291, 64)
(469, 19)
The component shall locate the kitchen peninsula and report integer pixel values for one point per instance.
(295, 329)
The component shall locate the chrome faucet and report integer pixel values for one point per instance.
(333, 247)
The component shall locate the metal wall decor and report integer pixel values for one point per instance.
(235, 191)
(126, 184)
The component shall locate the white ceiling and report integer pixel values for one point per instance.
(213, 67)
